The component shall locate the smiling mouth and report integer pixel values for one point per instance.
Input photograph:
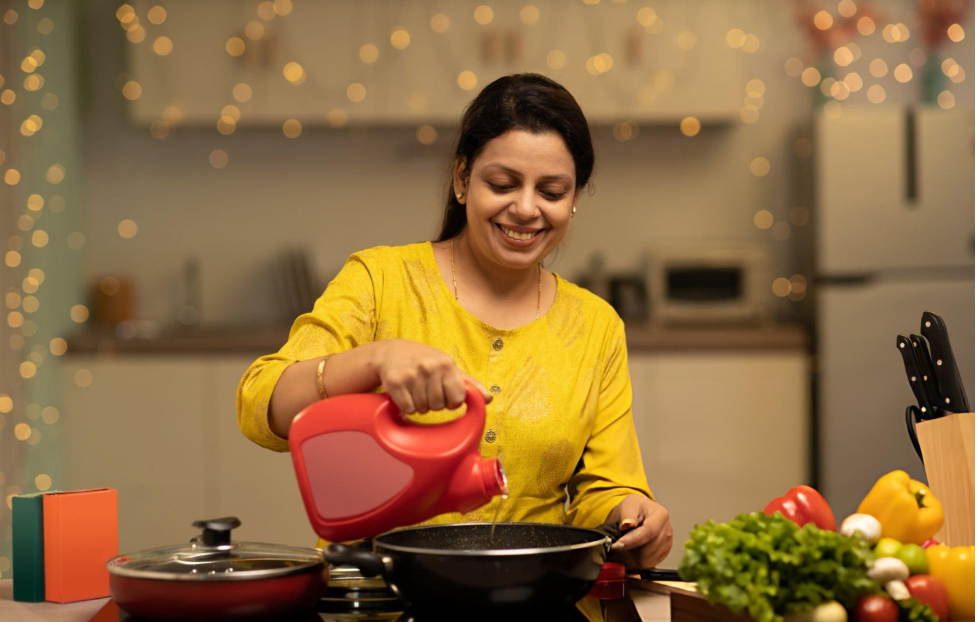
(516, 235)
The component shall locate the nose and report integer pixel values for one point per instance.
(524, 205)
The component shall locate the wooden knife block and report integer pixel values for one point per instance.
(947, 444)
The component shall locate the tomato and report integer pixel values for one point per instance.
(876, 609)
(930, 591)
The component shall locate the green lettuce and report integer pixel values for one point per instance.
(770, 568)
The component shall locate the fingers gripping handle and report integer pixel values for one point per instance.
(474, 411)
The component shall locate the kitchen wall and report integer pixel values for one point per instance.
(337, 191)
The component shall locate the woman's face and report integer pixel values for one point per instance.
(519, 197)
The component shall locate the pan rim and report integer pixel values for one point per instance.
(118, 570)
(380, 546)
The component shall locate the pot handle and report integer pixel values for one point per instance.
(612, 531)
(370, 564)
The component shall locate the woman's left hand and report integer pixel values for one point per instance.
(646, 531)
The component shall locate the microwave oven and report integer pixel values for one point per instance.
(710, 284)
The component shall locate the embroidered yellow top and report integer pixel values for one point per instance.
(560, 421)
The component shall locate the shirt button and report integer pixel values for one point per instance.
(497, 344)
(496, 389)
(490, 436)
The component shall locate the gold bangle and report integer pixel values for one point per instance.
(318, 377)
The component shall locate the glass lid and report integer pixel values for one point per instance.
(212, 556)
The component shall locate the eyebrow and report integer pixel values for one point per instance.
(513, 171)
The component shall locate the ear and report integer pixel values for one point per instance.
(459, 181)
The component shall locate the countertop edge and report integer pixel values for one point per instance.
(259, 340)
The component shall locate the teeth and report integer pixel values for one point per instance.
(515, 235)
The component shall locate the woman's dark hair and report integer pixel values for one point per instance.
(525, 101)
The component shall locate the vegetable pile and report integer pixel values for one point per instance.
(882, 565)
(770, 567)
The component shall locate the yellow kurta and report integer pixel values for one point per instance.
(560, 422)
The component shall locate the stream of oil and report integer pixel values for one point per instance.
(495, 518)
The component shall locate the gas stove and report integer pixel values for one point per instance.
(567, 613)
(351, 597)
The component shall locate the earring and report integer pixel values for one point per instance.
(458, 195)
(574, 210)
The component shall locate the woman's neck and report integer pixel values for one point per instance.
(476, 273)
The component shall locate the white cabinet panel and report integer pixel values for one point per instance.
(254, 484)
(141, 428)
(163, 432)
(720, 433)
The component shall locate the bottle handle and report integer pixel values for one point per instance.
(474, 407)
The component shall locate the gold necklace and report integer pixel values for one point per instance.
(454, 280)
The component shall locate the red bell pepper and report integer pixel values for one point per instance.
(802, 505)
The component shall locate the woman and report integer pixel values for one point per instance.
(476, 305)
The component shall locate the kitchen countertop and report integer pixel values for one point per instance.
(258, 340)
(45, 612)
(651, 601)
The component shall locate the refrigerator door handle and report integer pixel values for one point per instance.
(912, 168)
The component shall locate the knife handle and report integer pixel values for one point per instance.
(660, 574)
(945, 367)
(912, 415)
(905, 347)
(930, 384)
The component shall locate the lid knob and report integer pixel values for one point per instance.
(217, 531)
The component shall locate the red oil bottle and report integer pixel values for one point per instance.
(364, 469)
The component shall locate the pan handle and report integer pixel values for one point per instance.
(369, 563)
(911, 417)
(612, 531)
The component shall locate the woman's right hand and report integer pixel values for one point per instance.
(420, 378)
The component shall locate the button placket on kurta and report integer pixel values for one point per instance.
(492, 432)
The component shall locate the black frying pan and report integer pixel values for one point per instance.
(524, 565)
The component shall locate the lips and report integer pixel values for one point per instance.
(518, 233)
(525, 237)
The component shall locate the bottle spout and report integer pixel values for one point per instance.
(494, 481)
(474, 484)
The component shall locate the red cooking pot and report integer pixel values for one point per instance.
(212, 578)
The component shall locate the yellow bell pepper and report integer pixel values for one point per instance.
(907, 509)
(955, 568)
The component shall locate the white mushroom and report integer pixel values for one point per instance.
(887, 569)
(865, 524)
(897, 590)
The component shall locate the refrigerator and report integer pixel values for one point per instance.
(894, 236)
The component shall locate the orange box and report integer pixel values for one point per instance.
(81, 533)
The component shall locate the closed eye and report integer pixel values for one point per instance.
(553, 196)
(499, 188)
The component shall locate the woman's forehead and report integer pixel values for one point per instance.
(526, 153)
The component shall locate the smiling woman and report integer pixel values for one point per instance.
(476, 307)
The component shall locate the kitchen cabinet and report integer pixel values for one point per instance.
(642, 79)
(721, 433)
(162, 431)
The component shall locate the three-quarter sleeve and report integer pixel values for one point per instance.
(610, 468)
(342, 318)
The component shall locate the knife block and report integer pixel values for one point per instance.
(947, 444)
